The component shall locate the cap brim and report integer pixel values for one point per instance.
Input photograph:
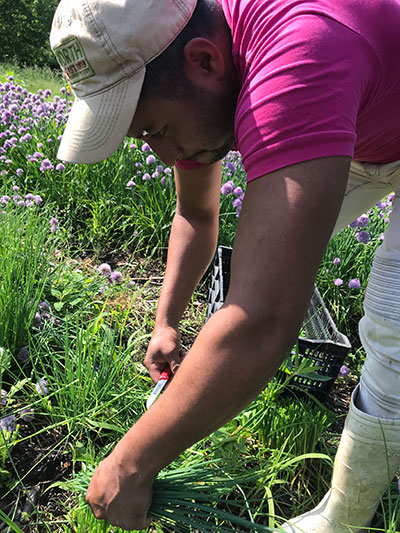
(97, 125)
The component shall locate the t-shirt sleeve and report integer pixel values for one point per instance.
(300, 95)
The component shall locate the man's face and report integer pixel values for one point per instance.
(200, 127)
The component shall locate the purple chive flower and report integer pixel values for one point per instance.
(37, 155)
(132, 283)
(26, 414)
(344, 370)
(38, 199)
(15, 188)
(237, 191)
(132, 146)
(363, 237)
(130, 184)
(37, 321)
(46, 165)
(53, 221)
(53, 229)
(354, 283)
(116, 276)
(237, 202)
(60, 167)
(44, 306)
(26, 137)
(104, 269)
(8, 423)
(336, 261)
(362, 221)
(3, 398)
(23, 354)
(146, 177)
(230, 166)
(146, 147)
(227, 187)
(338, 282)
(40, 145)
(150, 159)
(163, 181)
(42, 387)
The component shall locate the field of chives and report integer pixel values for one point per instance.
(82, 249)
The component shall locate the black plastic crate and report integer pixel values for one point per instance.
(319, 342)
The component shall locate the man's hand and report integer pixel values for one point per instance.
(164, 348)
(118, 495)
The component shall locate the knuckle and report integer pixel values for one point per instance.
(98, 513)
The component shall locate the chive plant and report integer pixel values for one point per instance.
(27, 243)
(95, 387)
(201, 495)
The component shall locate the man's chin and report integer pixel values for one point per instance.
(207, 157)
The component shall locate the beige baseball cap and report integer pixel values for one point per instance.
(103, 47)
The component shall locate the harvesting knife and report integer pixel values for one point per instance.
(162, 381)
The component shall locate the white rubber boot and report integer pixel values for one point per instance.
(365, 463)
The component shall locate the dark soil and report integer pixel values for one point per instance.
(38, 462)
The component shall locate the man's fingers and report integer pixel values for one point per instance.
(131, 524)
(127, 523)
(174, 365)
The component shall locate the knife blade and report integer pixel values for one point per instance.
(161, 382)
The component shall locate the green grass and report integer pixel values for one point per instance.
(33, 78)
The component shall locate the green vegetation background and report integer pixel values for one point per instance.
(24, 32)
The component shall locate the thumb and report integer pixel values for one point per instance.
(174, 365)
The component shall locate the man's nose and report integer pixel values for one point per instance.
(167, 150)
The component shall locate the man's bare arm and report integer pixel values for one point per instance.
(191, 247)
(286, 221)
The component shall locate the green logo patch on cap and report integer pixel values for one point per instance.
(72, 59)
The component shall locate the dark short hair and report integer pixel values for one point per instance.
(165, 74)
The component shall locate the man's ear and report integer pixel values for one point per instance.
(204, 63)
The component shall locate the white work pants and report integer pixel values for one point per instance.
(379, 329)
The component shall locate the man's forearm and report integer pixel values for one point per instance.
(228, 365)
(191, 248)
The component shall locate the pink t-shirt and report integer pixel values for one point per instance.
(318, 78)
